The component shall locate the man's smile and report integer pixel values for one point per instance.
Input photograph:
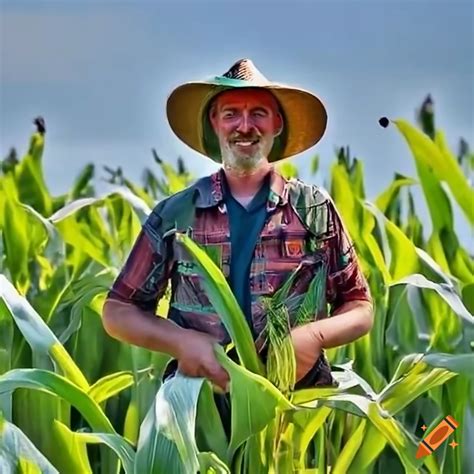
(244, 141)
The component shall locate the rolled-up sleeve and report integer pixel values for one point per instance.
(346, 282)
(144, 277)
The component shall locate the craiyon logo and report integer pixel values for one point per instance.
(437, 436)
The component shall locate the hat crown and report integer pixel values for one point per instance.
(245, 70)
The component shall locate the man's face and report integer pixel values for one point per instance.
(246, 122)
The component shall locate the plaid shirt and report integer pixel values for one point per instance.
(286, 243)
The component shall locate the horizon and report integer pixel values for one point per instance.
(100, 74)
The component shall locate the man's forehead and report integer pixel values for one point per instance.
(242, 96)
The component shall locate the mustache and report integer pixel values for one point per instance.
(245, 136)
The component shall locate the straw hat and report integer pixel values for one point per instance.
(187, 110)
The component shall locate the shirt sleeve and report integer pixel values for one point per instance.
(144, 277)
(346, 282)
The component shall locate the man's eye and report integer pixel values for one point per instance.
(260, 113)
(228, 114)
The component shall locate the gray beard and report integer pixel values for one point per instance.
(231, 161)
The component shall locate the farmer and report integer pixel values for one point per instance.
(257, 226)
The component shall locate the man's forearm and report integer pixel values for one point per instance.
(128, 323)
(349, 322)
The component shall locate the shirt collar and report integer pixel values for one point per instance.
(211, 190)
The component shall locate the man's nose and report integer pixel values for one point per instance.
(246, 124)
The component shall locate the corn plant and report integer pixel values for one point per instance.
(74, 400)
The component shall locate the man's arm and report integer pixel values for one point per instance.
(354, 319)
(193, 350)
(128, 323)
(349, 322)
(349, 295)
(129, 310)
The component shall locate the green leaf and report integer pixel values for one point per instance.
(307, 422)
(82, 226)
(349, 451)
(50, 382)
(402, 442)
(345, 199)
(444, 290)
(410, 328)
(419, 373)
(31, 185)
(209, 463)
(166, 442)
(468, 297)
(81, 183)
(119, 445)
(210, 434)
(254, 401)
(37, 333)
(287, 169)
(17, 450)
(404, 257)
(437, 201)
(441, 162)
(350, 403)
(345, 381)
(6, 340)
(225, 304)
(15, 240)
(81, 298)
(110, 385)
(384, 200)
(73, 451)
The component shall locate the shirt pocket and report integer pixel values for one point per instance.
(287, 254)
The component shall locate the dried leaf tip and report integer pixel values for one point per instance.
(40, 125)
(384, 122)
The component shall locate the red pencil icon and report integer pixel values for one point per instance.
(436, 437)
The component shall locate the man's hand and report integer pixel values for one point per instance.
(307, 348)
(196, 358)
(349, 322)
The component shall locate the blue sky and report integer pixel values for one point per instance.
(100, 74)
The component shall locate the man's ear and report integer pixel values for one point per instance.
(279, 123)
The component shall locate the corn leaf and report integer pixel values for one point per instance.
(110, 385)
(224, 302)
(384, 200)
(119, 445)
(37, 333)
(59, 386)
(447, 293)
(18, 452)
(254, 401)
(166, 442)
(442, 163)
(30, 180)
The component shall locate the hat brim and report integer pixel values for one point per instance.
(305, 115)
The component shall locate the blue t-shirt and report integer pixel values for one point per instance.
(245, 226)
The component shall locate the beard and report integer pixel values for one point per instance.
(245, 161)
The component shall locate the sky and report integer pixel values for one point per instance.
(100, 73)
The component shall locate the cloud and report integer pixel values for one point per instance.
(67, 43)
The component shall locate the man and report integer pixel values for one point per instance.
(257, 226)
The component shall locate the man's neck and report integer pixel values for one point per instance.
(248, 183)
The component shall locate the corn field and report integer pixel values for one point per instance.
(74, 400)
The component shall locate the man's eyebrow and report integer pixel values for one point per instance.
(228, 107)
(232, 108)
